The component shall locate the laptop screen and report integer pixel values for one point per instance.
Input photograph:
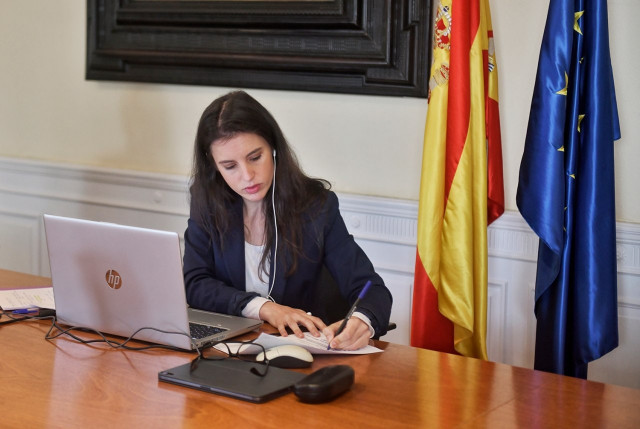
(118, 279)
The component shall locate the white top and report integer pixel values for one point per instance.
(253, 283)
(252, 256)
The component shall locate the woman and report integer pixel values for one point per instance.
(261, 232)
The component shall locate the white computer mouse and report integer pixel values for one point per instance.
(287, 356)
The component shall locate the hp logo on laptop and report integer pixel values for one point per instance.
(113, 279)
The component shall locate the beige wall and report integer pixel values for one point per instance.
(362, 144)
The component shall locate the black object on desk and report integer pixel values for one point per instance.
(233, 378)
(325, 384)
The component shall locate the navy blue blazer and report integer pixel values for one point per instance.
(215, 277)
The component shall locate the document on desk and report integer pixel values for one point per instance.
(315, 345)
(18, 299)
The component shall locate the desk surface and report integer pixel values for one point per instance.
(62, 383)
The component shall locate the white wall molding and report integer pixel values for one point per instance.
(386, 228)
(628, 248)
(380, 219)
(20, 234)
(496, 319)
(150, 192)
(510, 237)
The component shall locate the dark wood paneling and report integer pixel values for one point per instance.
(349, 46)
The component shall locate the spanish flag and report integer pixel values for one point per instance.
(461, 189)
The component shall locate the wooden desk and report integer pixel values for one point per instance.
(65, 384)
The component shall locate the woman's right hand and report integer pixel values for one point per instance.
(282, 317)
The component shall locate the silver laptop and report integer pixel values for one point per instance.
(117, 279)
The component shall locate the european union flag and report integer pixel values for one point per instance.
(566, 189)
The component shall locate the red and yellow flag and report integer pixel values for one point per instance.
(461, 189)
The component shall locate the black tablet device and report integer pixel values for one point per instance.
(233, 378)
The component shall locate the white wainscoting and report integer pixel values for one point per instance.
(385, 228)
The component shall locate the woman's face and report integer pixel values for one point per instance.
(245, 162)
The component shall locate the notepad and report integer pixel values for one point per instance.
(16, 299)
(315, 345)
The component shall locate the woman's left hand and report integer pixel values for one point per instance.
(283, 317)
(355, 335)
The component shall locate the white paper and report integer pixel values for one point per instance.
(18, 299)
(315, 345)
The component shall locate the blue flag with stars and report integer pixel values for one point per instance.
(566, 189)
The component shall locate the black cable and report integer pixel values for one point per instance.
(111, 343)
(22, 317)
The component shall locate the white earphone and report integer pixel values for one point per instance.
(275, 225)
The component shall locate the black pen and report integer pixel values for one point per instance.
(350, 313)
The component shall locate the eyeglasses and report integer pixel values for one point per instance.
(241, 350)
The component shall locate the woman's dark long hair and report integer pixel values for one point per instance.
(295, 194)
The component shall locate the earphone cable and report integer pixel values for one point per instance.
(275, 225)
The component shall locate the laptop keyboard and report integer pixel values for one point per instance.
(199, 331)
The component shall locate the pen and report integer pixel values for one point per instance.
(353, 308)
(25, 310)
